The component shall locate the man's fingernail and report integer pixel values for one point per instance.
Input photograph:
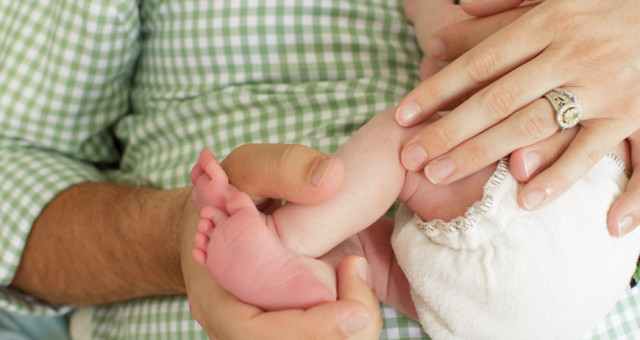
(436, 48)
(624, 225)
(320, 171)
(364, 271)
(533, 199)
(532, 162)
(413, 156)
(439, 170)
(354, 323)
(408, 113)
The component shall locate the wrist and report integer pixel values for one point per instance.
(179, 219)
(186, 228)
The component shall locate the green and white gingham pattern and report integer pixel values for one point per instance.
(64, 71)
(213, 74)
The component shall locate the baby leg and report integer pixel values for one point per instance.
(241, 250)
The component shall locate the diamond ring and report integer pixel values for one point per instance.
(567, 107)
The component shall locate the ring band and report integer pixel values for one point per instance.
(567, 106)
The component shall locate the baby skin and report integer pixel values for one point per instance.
(274, 261)
(271, 260)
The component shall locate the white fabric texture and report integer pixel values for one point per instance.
(501, 272)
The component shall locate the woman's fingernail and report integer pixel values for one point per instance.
(436, 48)
(354, 323)
(320, 171)
(439, 170)
(408, 113)
(532, 162)
(413, 156)
(624, 225)
(364, 271)
(533, 199)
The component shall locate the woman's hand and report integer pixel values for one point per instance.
(299, 174)
(588, 47)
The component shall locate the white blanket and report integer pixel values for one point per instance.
(501, 272)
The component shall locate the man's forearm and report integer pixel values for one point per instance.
(100, 242)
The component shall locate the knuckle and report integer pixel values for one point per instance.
(500, 101)
(558, 184)
(287, 154)
(482, 65)
(476, 157)
(595, 51)
(562, 19)
(534, 127)
(441, 139)
(626, 78)
(434, 95)
(293, 150)
(590, 156)
(276, 163)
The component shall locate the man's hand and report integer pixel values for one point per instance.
(284, 171)
(302, 175)
(102, 242)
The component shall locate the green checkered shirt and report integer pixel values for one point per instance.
(131, 91)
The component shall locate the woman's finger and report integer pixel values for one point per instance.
(624, 215)
(483, 110)
(284, 171)
(527, 126)
(533, 123)
(588, 147)
(530, 160)
(489, 60)
(456, 39)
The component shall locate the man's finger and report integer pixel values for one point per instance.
(284, 171)
(355, 315)
(355, 283)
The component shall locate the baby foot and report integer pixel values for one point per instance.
(239, 247)
(210, 182)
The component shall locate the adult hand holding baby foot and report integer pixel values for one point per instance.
(284, 172)
(588, 48)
